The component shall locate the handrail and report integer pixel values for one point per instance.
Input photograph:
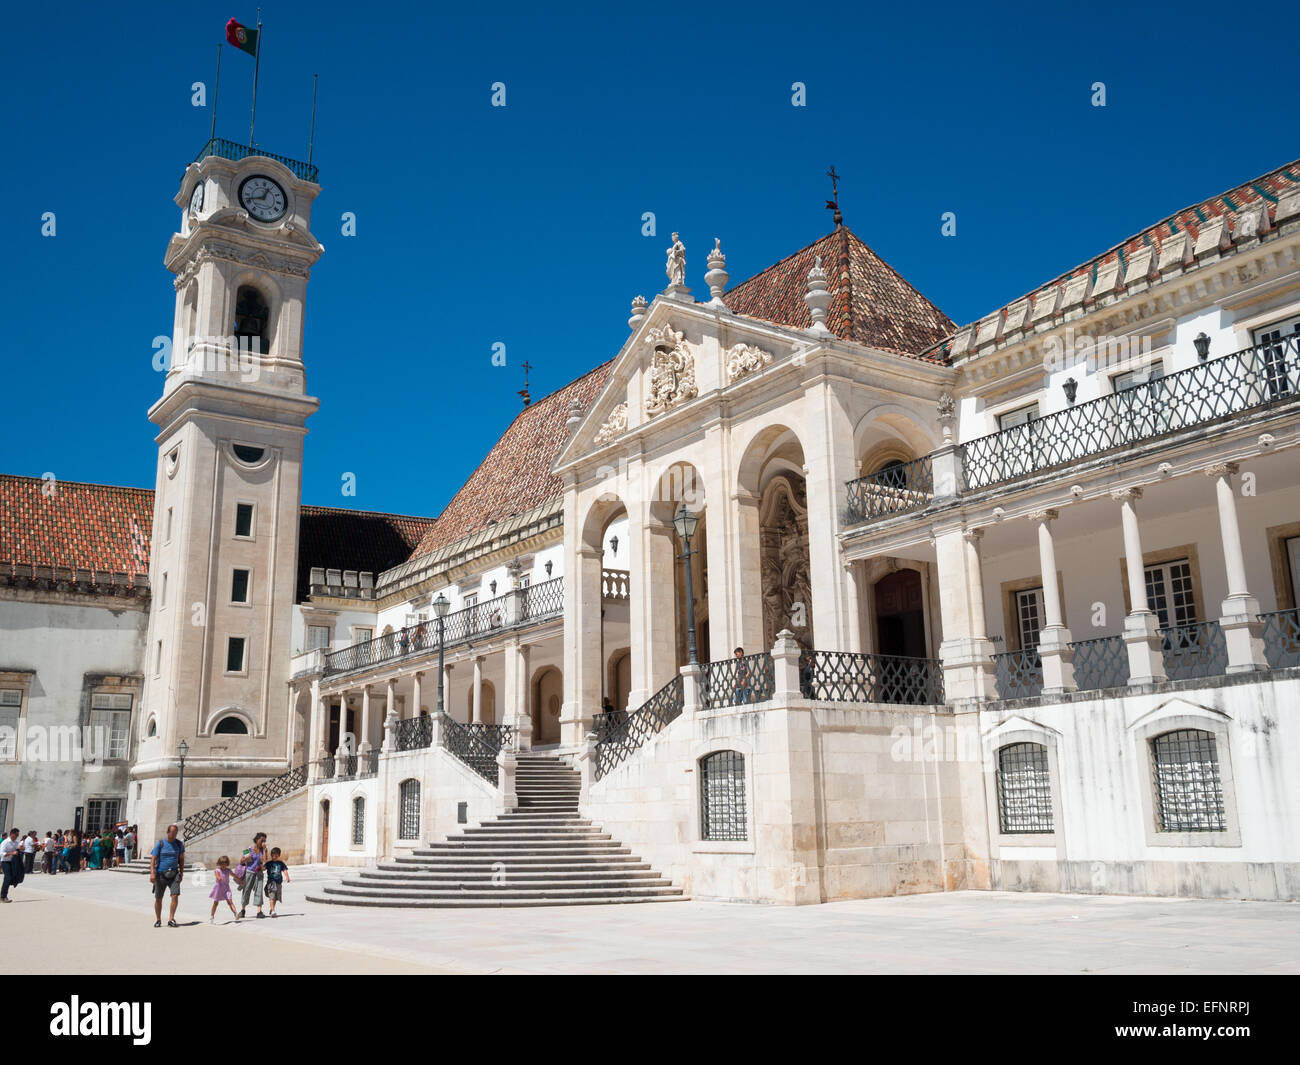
(845, 676)
(476, 744)
(737, 681)
(211, 818)
(893, 490)
(619, 734)
(225, 149)
(1281, 636)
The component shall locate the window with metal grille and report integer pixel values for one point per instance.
(1170, 594)
(359, 820)
(409, 794)
(1189, 793)
(1024, 788)
(1029, 617)
(722, 796)
(101, 814)
(1278, 342)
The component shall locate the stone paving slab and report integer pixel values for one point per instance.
(959, 932)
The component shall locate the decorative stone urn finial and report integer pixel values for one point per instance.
(638, 313)
(575, 416)
(946, 407)
(717, 276)
(818, 299)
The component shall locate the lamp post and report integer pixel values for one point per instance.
(440, 607)
(182, 749)
(685, 524)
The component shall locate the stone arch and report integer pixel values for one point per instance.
(547, 700)
(227, 714)
(890, 432)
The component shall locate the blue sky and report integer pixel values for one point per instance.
(522, 225)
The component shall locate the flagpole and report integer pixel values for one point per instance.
(216, 90)
(311, 137)
(257, 64)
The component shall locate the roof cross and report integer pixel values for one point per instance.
(833, 204)
(524, 391)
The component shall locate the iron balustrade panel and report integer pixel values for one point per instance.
(414, 734)
(893, 490)
(369, 765)
(1194, 651)
(1282, 638)
(737, 681)
(324, 769)
(1019, 674)
(1231, 384)
(545, 600)
(225, 149)
(497, 737)
(523, 606)
(348, 767)
(847, 677)
(1100, 663)
(619, 734)
(471, 747)
(222, 813)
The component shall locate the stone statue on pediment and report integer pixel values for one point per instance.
(676, 268)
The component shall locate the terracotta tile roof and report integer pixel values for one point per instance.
(515, 476)
(336, 538)
(870, 304)
(67, 523)
(1267, 190)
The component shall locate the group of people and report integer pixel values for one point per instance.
(259, 876)
(63, 851)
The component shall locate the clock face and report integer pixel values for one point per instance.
(263, 198)
(196, 199)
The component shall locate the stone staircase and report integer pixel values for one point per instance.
(539, 854)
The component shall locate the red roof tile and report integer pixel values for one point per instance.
(516, 476)
(870, 304)
(336, 538)
(67, 523)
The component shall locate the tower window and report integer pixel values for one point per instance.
(251, 316)
(167, 531)
(231, 726)
(244, 519)
(239, 587)
(246, 453)
(235, 654)
(229, 789)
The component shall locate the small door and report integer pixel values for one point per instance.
(900, 615)
(325, 830)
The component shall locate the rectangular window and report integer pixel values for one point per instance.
(244, 519)
(1013, 418)
(239, 586)
(318, 636)
(11, 706)
(101, 814)
(235, 654)
(110, 716)
(1189, 793)
(360, 635)
(167, 527)
(1024, 789)
(229, 789)
(1029, 617)
(162, 593)
(157, 659)
(722, 796)
(1280, 350)
(1170, 594)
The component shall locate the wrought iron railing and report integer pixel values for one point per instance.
(475, 745)
(414, 734)
(322, 769)
(214, 817)
(1100, 663)
(737, 681)
(1282, 638)
(369, 764)
(347, 767)
(1194, 650)
(842, 676)
(893, 490)
(619, 734)
(1231, 384)
(225, 149)
(524, 606)
(1019, 674)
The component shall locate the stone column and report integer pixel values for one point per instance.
(478, 690)
(829, 431)
(363, 739)
(507, 795)
(965, 651)
(446, 689)
(1242, 629)
(319, 722)
(853, 605)
(747, 597)
(691, 688)
(655, 612)
(785, 665)
(1146, 663)
(1054, 638)
(517, 699)
(582, 646)
(417, 693)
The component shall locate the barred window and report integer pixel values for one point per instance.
(359, 819)
(101, 815)
(1024, 789)
(1189, 793)
(722, 796)
(409, 792)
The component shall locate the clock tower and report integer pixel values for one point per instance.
(231, 422)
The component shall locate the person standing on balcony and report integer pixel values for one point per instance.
(744, 690)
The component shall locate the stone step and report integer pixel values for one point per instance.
(474, 861)
(537, 831)
(473, 904)
(505, 852)
(599, 872)
(506, 892)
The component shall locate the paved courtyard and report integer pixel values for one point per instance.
(102, 922)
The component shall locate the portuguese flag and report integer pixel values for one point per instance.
(242, 37)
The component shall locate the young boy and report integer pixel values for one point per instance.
(277, 873)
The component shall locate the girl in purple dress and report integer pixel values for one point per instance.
(221, 889)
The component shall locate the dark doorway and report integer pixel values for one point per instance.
(900, 615)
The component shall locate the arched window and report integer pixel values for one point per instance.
(722, 796)
(251, 317)
(359, 819)
(1024, 788)
(231, 726)
(1189, 793)
(409, 795)
(153, 728)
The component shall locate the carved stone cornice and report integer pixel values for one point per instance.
(1221, 469)
(1126, 495)
(1045, 515)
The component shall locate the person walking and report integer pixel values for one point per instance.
(254, 864)
(30, 845)
(277, 875)
(119, 848)
(11, 857)
(221, 889)
(166, 871)
(51, 849)
(128, 842)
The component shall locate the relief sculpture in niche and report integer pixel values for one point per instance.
(672, 370)
(787, 577)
